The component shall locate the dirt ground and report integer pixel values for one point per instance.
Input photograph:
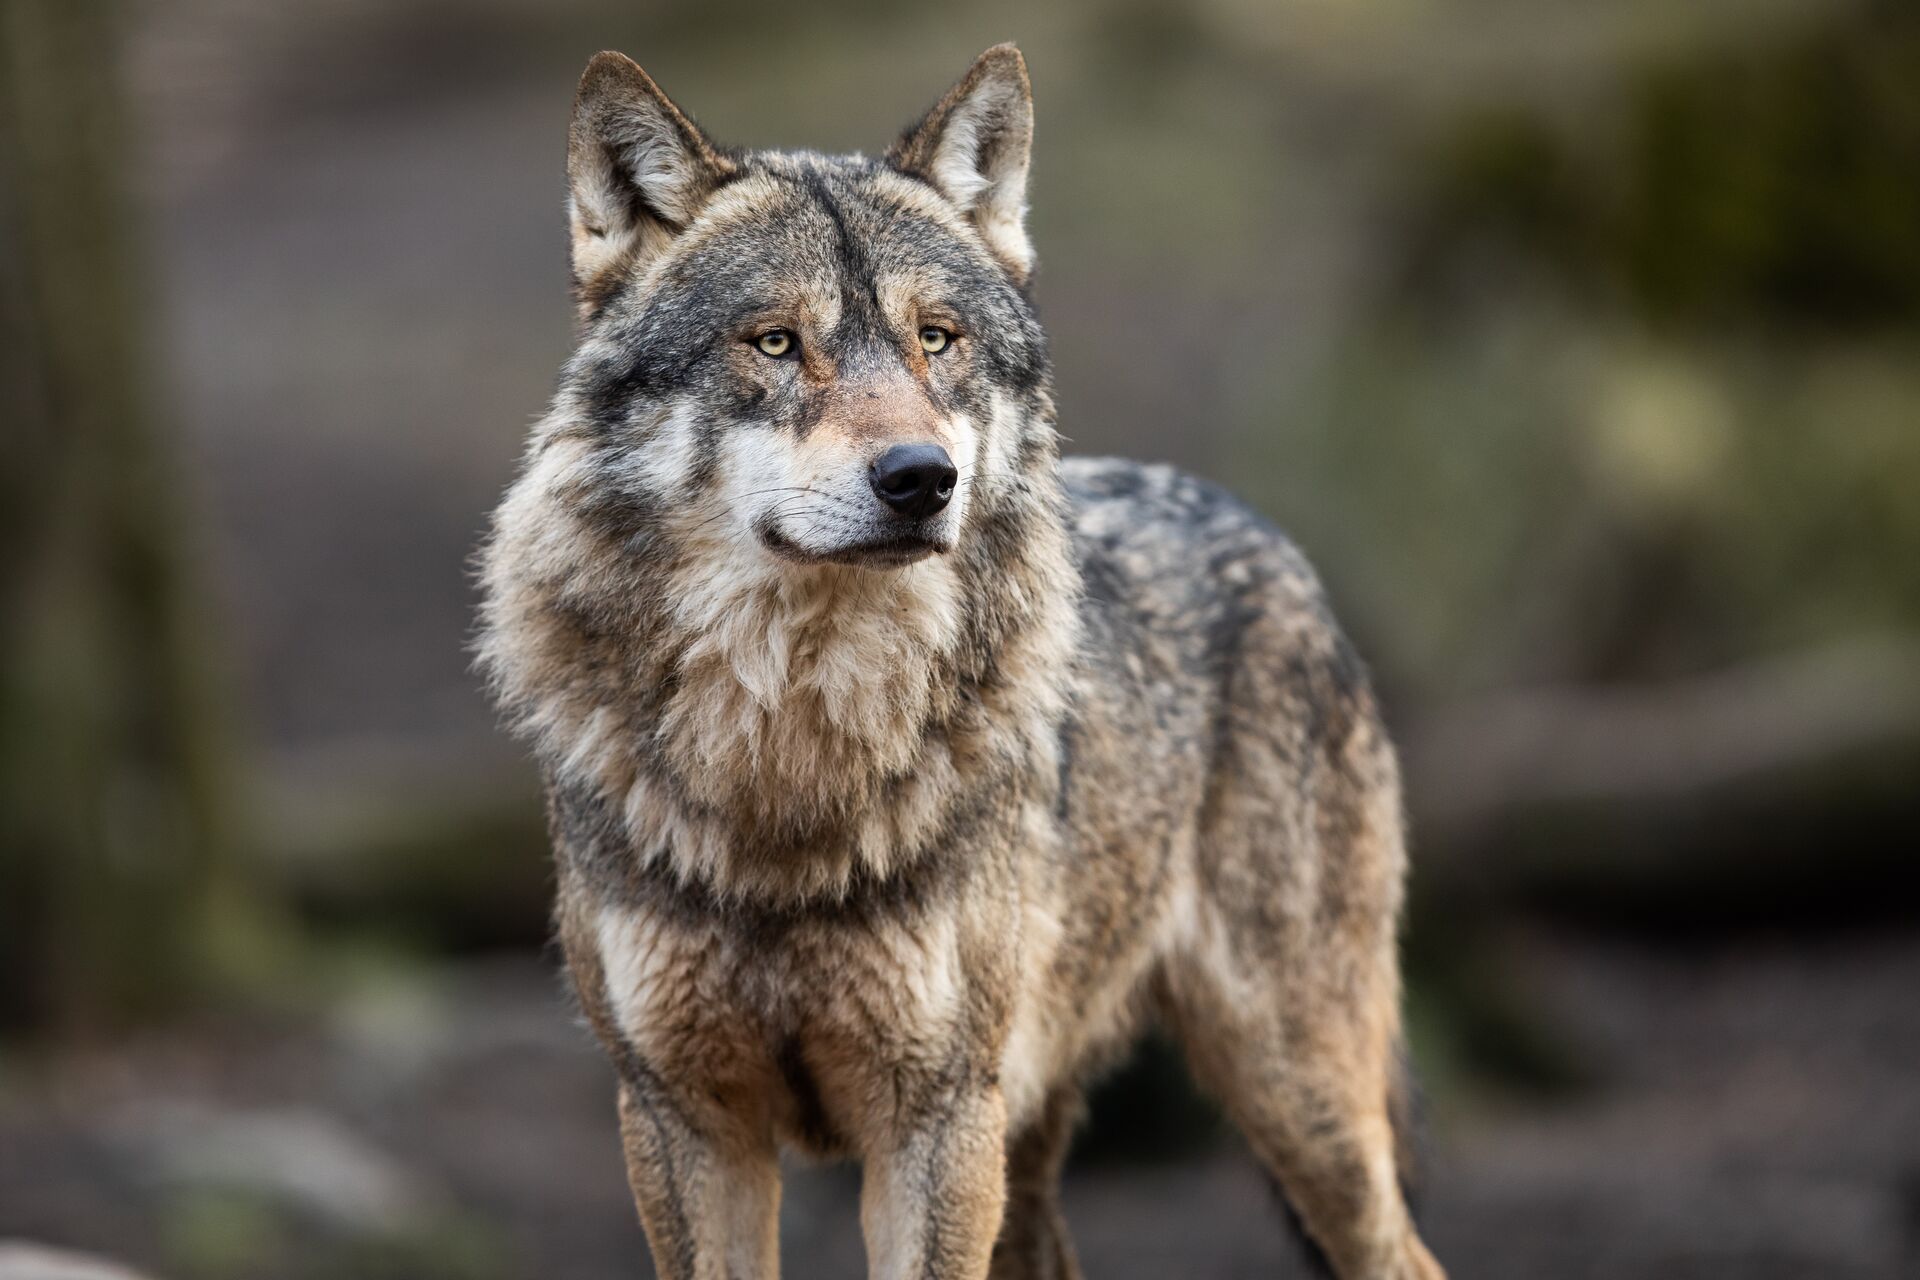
(1757, 1117)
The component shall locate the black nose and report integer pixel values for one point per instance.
(914, 479)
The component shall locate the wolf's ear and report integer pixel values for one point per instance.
(974, 145)
(638, 169)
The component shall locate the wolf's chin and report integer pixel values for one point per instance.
(881, 553)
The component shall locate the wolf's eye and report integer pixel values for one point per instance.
(934, 339)
(775, 343)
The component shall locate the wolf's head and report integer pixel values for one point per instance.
(826, 356)
(791, 527)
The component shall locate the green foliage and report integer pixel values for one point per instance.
(1775, 181)
(1532, 495)
(1639, 393)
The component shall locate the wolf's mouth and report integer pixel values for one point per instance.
(889, 552)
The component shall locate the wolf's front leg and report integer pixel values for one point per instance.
(930, 1201)
(710, 1203)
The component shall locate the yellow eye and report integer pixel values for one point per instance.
(775, 343)
(934, 339)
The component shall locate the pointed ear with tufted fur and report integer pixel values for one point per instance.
(638, 171)
(973, 146)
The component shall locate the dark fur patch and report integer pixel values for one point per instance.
(593, 840)
(816, 1131)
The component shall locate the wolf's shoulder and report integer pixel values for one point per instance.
(1169, 556)
(1156, 526)
(1156, 495)
(1226, 604)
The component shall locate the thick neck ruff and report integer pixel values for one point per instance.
(773, 730)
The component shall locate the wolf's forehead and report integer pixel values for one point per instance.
(838, 227)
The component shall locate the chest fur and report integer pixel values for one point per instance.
(821, 1036)
(794, 691)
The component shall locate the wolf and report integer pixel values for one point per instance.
(899, 773)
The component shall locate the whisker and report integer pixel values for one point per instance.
(786, 506)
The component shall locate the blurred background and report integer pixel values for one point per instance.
(1578, 343)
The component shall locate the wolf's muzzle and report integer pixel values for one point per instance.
(916, 480)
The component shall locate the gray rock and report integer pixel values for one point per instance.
(21, 1260)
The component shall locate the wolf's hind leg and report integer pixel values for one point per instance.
(1284, 984)
(1313, 1102)
(1034, 1244)
(1286, 993)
